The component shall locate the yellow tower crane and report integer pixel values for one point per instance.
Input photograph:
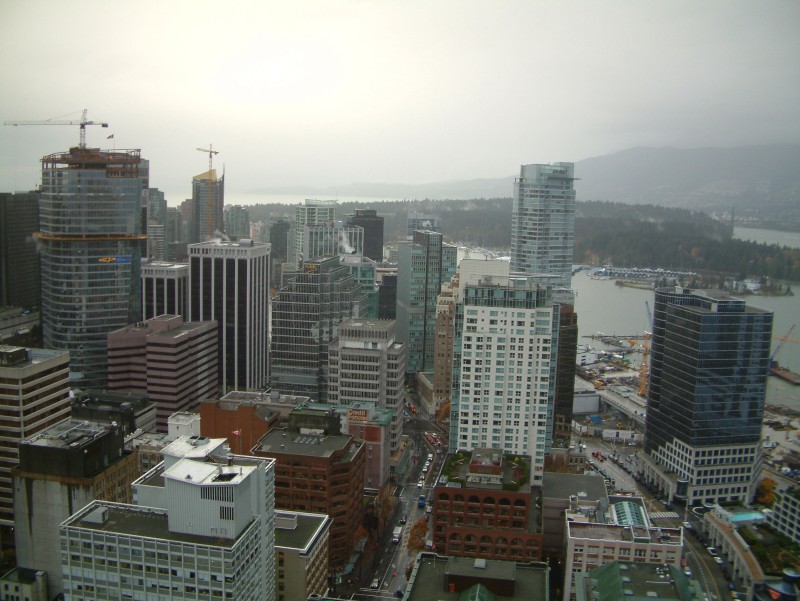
(82, 123)
(210, 197)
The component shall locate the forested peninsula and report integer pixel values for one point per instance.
(610, 233)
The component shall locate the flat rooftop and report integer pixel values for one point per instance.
(303, 531)
(530, 580)
(68, 434)
(134, 520)
(280, 441)
(613, 532)
(194, 447)
(631, 580)
(562, 486)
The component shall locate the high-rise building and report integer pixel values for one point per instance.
(364, 271)
(203, 526)
(89, 249)
(155, 205)
(504, 372)
(366, 364)
(165, 289)
(208, 200)
(706, 394)
(172, 361)
(311, 212)
(329, 239)
(306, 315)
(229, 283)
(422, 222)
(543, 221)
(237, 222)
(372, 223)
(425, 263)
(60, 470)
(19, 261)
(34, 395)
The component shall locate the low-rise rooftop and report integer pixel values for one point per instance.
(284, 442)
(298, 530)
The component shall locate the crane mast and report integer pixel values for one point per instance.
(210, 197)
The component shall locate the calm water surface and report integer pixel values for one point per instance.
(603, 306)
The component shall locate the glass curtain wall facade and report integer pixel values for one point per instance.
(707, 388)
(424, 264)
(543, 221)
(306, 315)
(90, 239)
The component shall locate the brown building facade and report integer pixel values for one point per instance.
(486, 508)
(173, 362)
(320, 473)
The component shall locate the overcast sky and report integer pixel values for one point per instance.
(328, 93)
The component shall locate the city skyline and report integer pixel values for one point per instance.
(413, 93)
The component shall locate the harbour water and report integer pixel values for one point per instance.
(603, 306)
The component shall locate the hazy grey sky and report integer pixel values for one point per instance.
(328, 93)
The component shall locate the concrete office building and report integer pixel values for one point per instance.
(329, 239)
(19, 261)
(506, 332)
(302, 554)
(626, 535)
(34, 395)
(62, 469)
(90, 250)
(130, 411)
(306, 315)
(366, 363)
(424, 264)
(173, 362)
(311, 212)
(229, 283)
(706, 394)
(207, 204)
(165, 289)
(422, 222)
(372, 223)
(203, 527)
(543, 221)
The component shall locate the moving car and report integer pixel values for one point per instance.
(376, 584)
(718, 559)
(712, 551)
(687, 571)
(403, 519)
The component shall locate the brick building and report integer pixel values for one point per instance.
(483, 507)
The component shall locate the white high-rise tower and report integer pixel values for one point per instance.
(543, 222)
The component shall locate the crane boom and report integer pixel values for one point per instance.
(783, 340)
(82, 123)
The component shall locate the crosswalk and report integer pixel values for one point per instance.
(664, 514)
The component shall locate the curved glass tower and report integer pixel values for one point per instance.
(89, 240)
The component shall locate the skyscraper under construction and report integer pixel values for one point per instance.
(90, 237)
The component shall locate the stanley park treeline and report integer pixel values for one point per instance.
(606, 233)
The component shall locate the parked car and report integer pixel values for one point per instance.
(712, 551)
(687, 571)
(718, 559)
(688, 526)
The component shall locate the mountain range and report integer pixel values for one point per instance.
(761, 183)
